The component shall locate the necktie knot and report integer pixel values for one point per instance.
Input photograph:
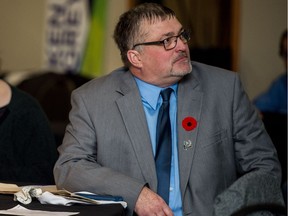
(165, 94)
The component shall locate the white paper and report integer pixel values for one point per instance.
(49, 198)
(20, 210)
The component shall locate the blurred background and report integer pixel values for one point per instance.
(241, 35)
(50, 47)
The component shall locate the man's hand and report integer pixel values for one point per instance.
(150, 203)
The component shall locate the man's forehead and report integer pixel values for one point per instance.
(160, 26)
(156, 20)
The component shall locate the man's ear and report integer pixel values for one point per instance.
(135, 58)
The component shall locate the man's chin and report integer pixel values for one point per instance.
(183, 70)
(180, 73)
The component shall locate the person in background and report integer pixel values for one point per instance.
(272, 106)
(213, 133)
(274, 100)
(28, 150)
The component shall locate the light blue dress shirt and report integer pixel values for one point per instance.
(152, 102)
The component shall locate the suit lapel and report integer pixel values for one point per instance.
(131, 109)
(189, 105)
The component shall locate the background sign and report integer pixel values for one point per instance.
(66, 29)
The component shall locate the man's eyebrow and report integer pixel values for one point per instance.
(170, 34)
(181, 30)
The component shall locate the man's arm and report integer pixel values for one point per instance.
(78, 167)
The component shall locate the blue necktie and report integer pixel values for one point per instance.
(163, 147)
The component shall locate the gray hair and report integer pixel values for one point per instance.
(127, 31)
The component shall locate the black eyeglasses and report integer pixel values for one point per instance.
(169, 42)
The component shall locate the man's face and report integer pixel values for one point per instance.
(159, 66)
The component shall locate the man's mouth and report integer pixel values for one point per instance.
(181, 57)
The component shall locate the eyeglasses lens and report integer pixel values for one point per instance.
(172, 42)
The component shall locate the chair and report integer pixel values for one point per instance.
(256, 192)
(53, 91)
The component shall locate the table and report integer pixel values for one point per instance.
(7, 202)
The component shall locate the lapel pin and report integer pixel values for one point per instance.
(187, 144)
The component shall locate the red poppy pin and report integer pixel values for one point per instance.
(189, 123)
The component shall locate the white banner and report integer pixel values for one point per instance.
(67, 23)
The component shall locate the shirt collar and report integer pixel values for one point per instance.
(151, 93)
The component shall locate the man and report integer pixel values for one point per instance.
(110, 142)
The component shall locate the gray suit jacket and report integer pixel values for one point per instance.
(107, 148)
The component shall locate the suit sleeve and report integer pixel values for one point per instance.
(78, 169)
